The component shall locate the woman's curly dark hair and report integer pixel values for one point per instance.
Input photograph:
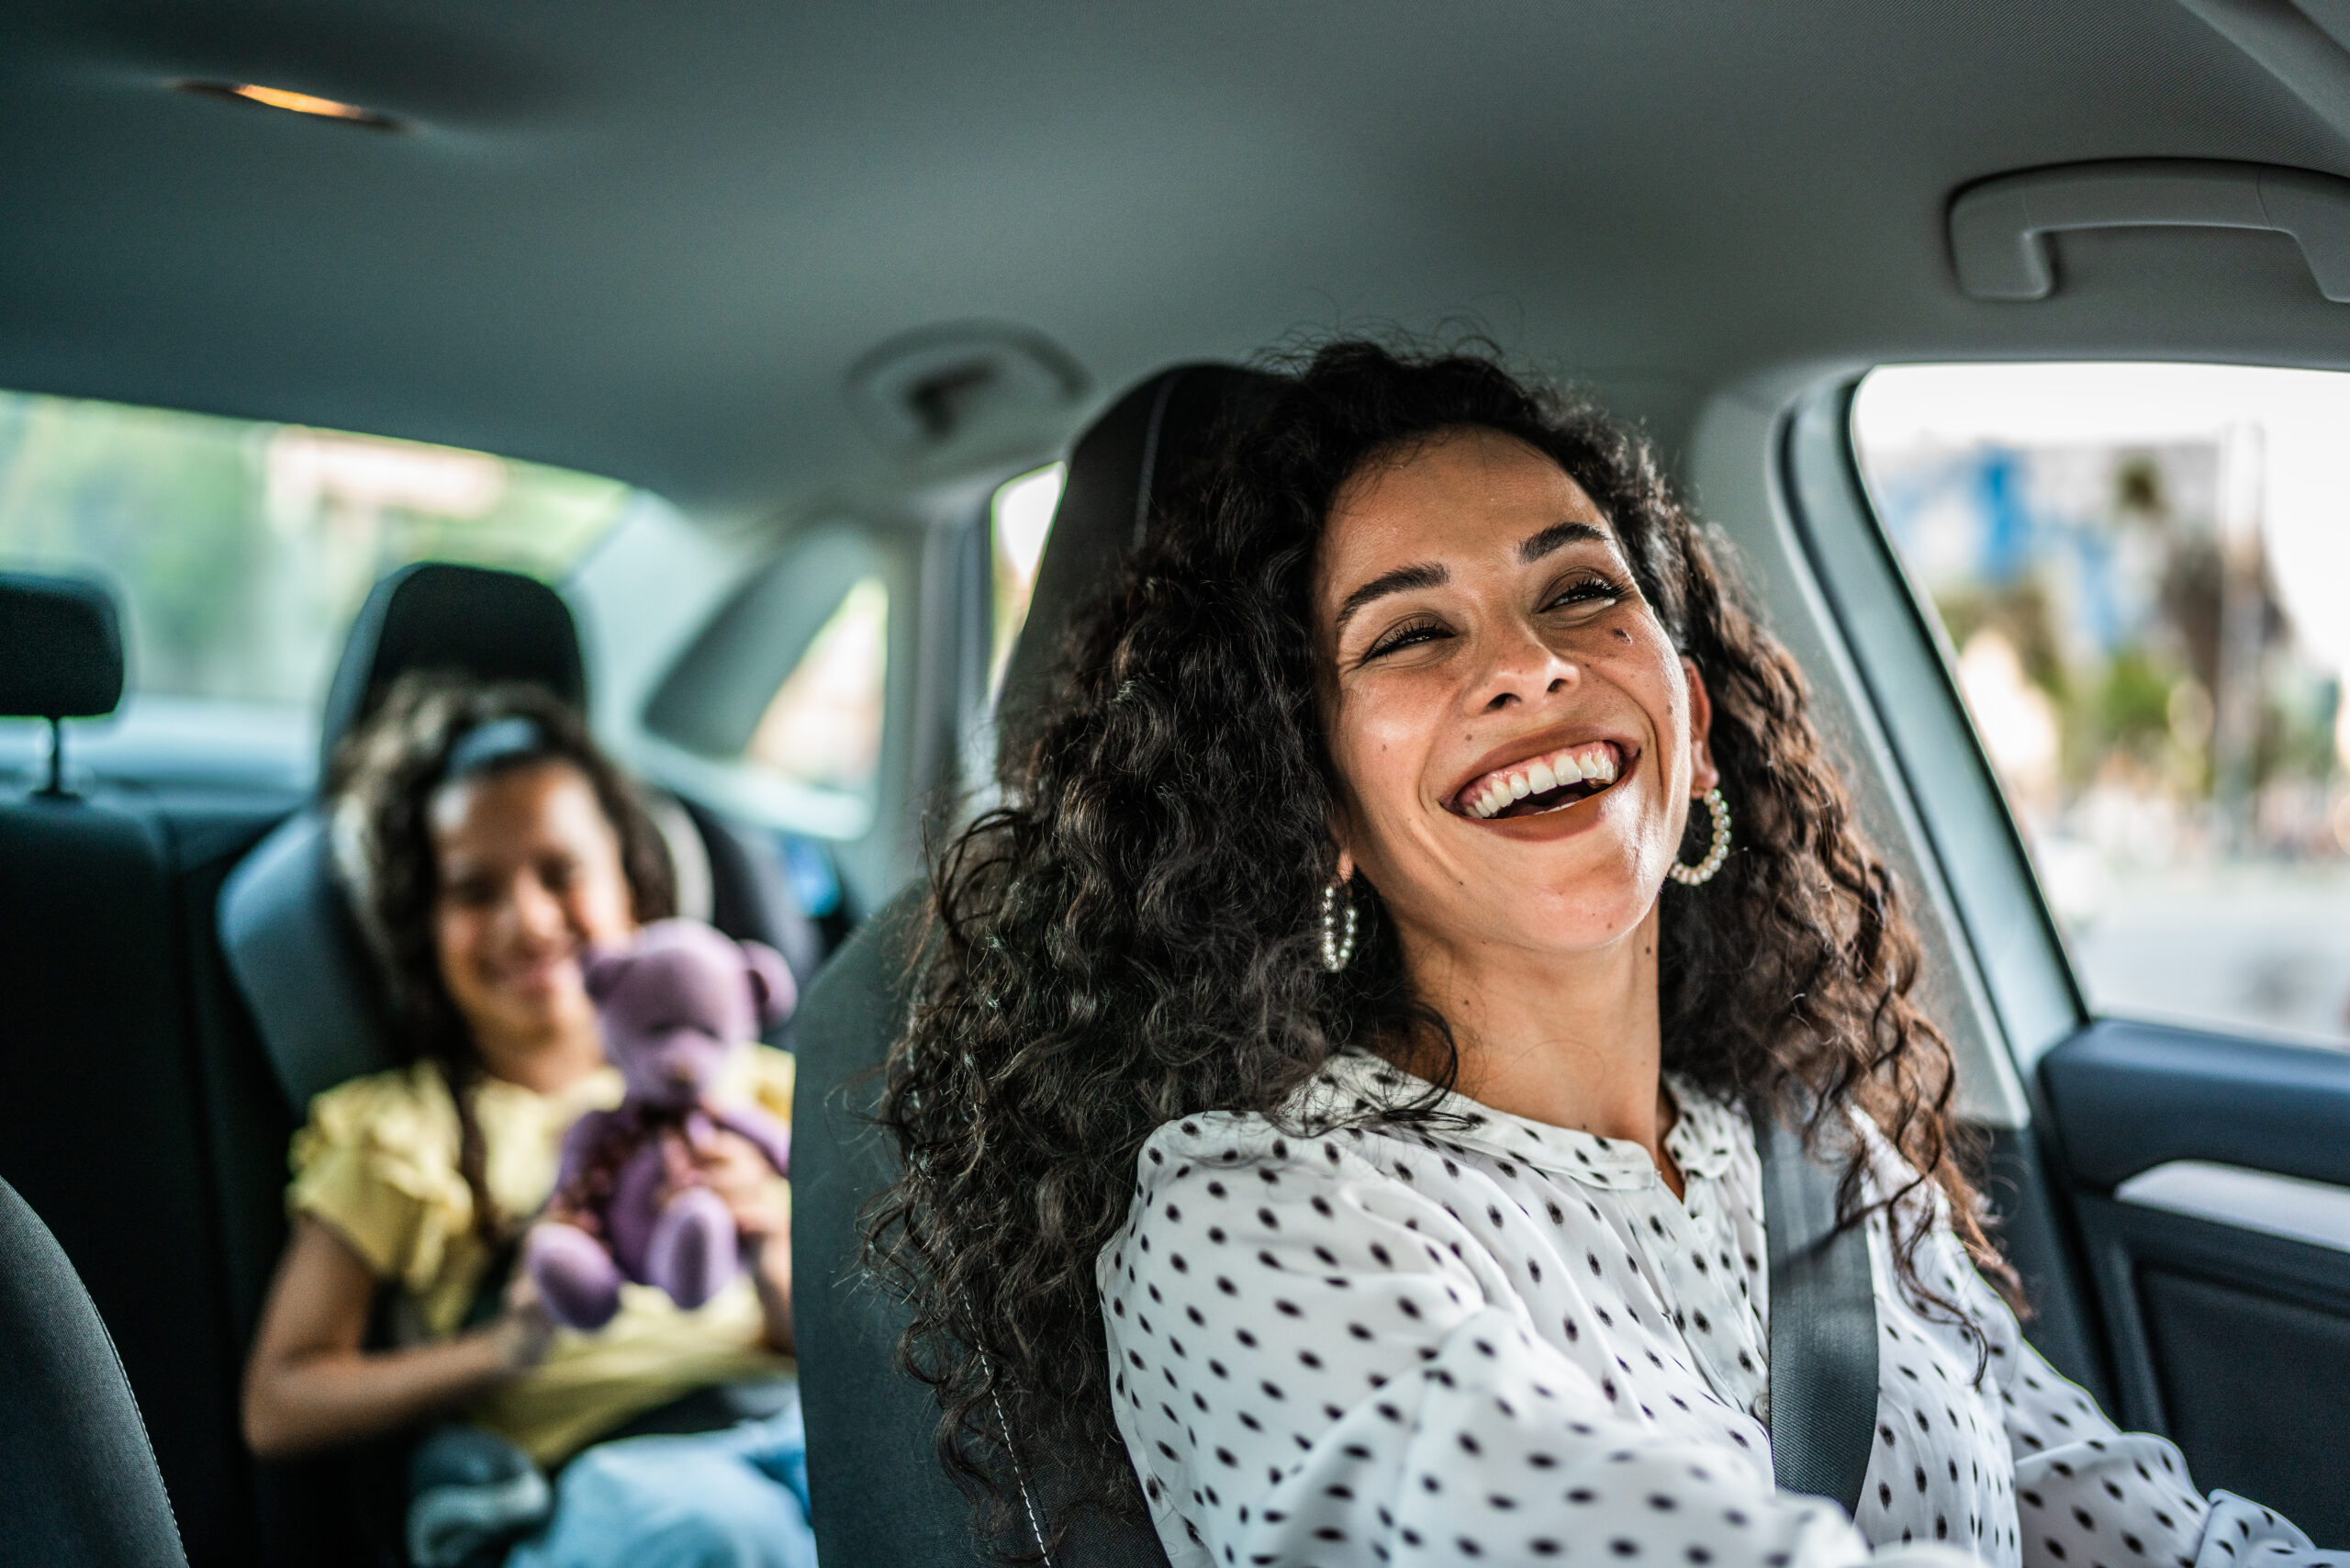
(1131, 935)
(382, 781)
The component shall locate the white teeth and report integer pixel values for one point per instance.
(1542, 775)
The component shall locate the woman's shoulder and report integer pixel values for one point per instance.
(1331, 1115)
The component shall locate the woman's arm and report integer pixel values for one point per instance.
(2088, 1493)
(310, 1386)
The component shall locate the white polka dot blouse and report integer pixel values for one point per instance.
(1496, 1341)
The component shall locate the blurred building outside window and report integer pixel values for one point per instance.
(2144, 571)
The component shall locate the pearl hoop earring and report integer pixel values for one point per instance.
(1703, 871)
(1337, 949)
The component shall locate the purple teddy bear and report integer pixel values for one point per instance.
(628, 1202)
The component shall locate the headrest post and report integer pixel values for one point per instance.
(55, 788)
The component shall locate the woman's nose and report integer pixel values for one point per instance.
(1519, 667)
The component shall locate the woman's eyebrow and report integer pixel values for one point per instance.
(1557, 536)
(1402, 579)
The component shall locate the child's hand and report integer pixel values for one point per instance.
(524, 1331)
(738, 1171)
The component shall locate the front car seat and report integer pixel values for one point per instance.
(881, 1497)
(78, 1479)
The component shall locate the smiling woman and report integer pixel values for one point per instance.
(1318, 1087)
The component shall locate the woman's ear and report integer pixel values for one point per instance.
(1340, 831)
(1703, 774)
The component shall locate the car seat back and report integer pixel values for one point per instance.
(78, 1482)
(97, 1125)
(881, 1499)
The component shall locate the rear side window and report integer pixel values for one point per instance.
(241, 549)
(824, 724)
(2143, 573)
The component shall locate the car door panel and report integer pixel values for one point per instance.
(2230, 1338)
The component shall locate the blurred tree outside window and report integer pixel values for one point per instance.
(2144, 571)
(241, 549)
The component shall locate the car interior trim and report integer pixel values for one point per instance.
(2315, 1212)
(2000, 228)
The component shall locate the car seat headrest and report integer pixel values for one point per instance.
(468, 620)
(1127, 463)
(60, 648)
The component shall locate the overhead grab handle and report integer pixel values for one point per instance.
(1999, 229)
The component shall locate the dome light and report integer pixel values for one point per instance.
(292, 102)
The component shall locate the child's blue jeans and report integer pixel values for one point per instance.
(736, 1498)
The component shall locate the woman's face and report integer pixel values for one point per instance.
(1516, 739)
(530, 877)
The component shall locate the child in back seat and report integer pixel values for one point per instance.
(487, 845)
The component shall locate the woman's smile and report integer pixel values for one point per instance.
(1548, 781)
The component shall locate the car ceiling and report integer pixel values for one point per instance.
(651, 240)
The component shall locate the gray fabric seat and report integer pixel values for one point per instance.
(93, 1072)
(881, 1498)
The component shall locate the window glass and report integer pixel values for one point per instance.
(1019, 519)
(241, 550)
(824, 726)
(2144, 571)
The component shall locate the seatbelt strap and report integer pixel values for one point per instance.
(1823, 1323)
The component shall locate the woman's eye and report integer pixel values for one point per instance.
(1587, 593)
(1404, 636)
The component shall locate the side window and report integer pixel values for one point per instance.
(2142, 572)
(778, 710)
(1019, 517)
(824, 726)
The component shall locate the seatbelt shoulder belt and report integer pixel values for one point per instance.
(1823, 1400)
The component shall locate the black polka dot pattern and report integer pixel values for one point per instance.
(1497, 1341)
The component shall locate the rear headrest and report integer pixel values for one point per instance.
(467, 620)
(1125, 463)
(60, 648)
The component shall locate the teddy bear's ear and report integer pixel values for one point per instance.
(606, 967)
(772, 991)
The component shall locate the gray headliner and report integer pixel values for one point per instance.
(650, 239)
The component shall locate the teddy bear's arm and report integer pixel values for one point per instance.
(578, 1150)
